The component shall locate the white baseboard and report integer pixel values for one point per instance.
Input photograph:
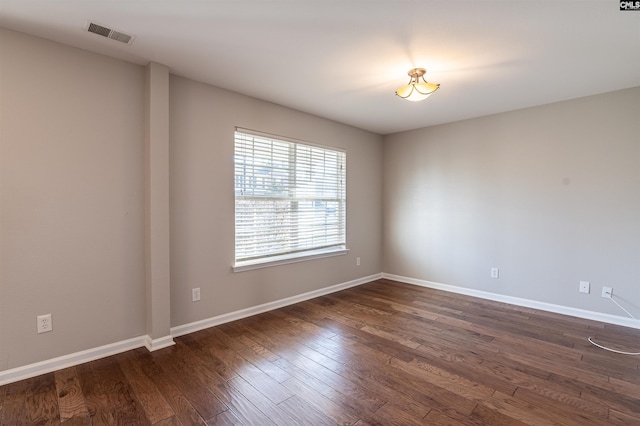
(155, 344)
(47, 366)
(254, 310)
(549, 307)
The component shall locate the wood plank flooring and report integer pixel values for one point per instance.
(383, 353)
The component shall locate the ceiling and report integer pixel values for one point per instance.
(343, 60)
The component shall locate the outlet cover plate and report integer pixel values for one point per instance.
(44, 323)
(495, 273)
(195, 294)
(607, 292)
(584, 287)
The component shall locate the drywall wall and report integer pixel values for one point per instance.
(550, 195)
(202, 124)
(72, 193)
(72, 199)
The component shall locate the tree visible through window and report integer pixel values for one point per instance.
(290, 198)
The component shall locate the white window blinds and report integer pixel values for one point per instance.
(290, 198)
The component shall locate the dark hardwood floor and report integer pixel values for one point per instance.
(383, 353)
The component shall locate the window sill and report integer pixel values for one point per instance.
(286, 259)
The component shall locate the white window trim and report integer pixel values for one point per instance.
(288, 258)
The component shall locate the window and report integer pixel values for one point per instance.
(290, 200)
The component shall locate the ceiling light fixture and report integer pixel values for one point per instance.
(416, 90)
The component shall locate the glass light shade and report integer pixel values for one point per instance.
(417, 91)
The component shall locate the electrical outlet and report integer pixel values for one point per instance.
(44, 323)
(607, 292)
(357, 261)
(495, 273)
(195, 294)
(584, 287)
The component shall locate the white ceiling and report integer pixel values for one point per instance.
(343, 60)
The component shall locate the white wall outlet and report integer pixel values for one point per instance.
(357, 261)
(44, 323)
(584, 287)
(495, 273)
(607, 292)
(195, 294)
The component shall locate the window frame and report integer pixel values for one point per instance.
(266, 260)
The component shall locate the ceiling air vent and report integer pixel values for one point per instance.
(109, 33)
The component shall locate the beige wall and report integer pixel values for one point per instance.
(550, 195)
(203, 119)
(72, 199)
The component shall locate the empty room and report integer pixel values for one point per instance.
(320, 212)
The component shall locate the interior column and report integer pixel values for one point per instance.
(157, 258)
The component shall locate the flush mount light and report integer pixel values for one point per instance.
(417, 90)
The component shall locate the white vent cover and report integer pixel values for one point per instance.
(109, 33)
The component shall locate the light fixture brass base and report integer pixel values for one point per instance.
(417, 72)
